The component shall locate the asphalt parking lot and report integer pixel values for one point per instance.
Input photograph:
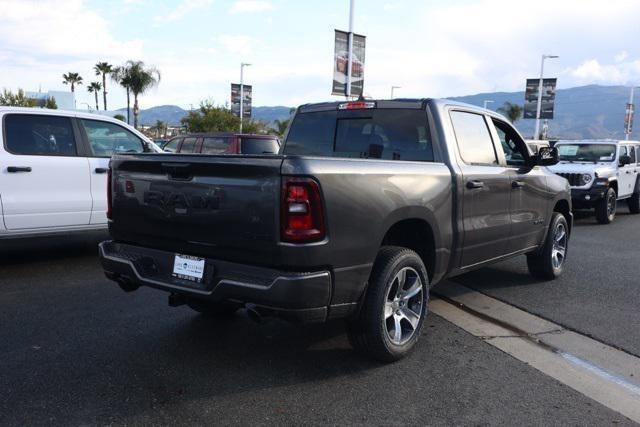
(74, 349)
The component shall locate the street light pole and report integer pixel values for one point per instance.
(487, 101)
(242, 65)
(393, 88)
(539, 109)
(350, 49)
(629, 112)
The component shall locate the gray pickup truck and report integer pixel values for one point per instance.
(367, 205)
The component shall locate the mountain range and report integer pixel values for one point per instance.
(581, 112)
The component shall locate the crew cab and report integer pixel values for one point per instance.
(600, 173)
(53, 176)
(367, 206)
(223, 143)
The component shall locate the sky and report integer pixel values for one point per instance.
(428, 48)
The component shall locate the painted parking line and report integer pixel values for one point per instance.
(599, 371)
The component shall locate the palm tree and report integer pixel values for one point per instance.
(160, 128)
(512, 111)
(122, 76)
(281, 126)
(95, 88)
(141, 80)
(72, 79)
(103, 68)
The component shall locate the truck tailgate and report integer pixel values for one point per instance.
(219, 206)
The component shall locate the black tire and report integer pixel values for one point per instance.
(542, 264)
(634, 201)
(369, 332)
(213, 309)
(606, 207)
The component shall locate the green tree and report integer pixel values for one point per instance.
(72, 79)
(95, 88)
(51, 103)
(122, 76)
(18, 99)
(212, 118)
(103, 68)
(281, 126)
(141, 79)
(160, 128)
(511, 111)
(120, 117)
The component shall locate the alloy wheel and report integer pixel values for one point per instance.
(403, 306)
(559, 250)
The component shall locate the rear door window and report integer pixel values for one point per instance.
(107, 139)
(473, 137)
(218, 145)
(259, 146)
(390, 134)
(188, 145)
(43, 135)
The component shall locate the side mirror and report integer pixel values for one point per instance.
(625, 160)
(547, 156)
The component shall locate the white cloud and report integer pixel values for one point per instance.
(621, 56)
(61, 37)
(236, 44)
(182, 9)
(250, 6)
(470, 47)
(592, 71)
(61, 29)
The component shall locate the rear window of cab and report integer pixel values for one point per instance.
(389, 134)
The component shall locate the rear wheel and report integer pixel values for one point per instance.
(213, 309)
(606, 207)
(395, 305)
(548, 263)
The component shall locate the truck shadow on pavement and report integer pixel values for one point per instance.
(34, 249)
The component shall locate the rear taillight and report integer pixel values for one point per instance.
(109, 194)
(302, 215)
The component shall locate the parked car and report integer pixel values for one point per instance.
(367, 206)
(223, 143)
(54, 169)
(601, 172)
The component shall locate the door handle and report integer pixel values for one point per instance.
(14, 169)
(101, 170)
(474, 184)
(517, 184)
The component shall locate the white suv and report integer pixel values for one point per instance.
(53, 169)
(601, 173)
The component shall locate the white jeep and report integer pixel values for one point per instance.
(600, 173)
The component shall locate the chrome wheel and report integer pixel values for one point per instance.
(559, 249)
(403, 306)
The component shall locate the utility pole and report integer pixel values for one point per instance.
(393, 88)
(350, 49)
(242, 65)
(539, 109)
(487, 101)
(628, 125)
